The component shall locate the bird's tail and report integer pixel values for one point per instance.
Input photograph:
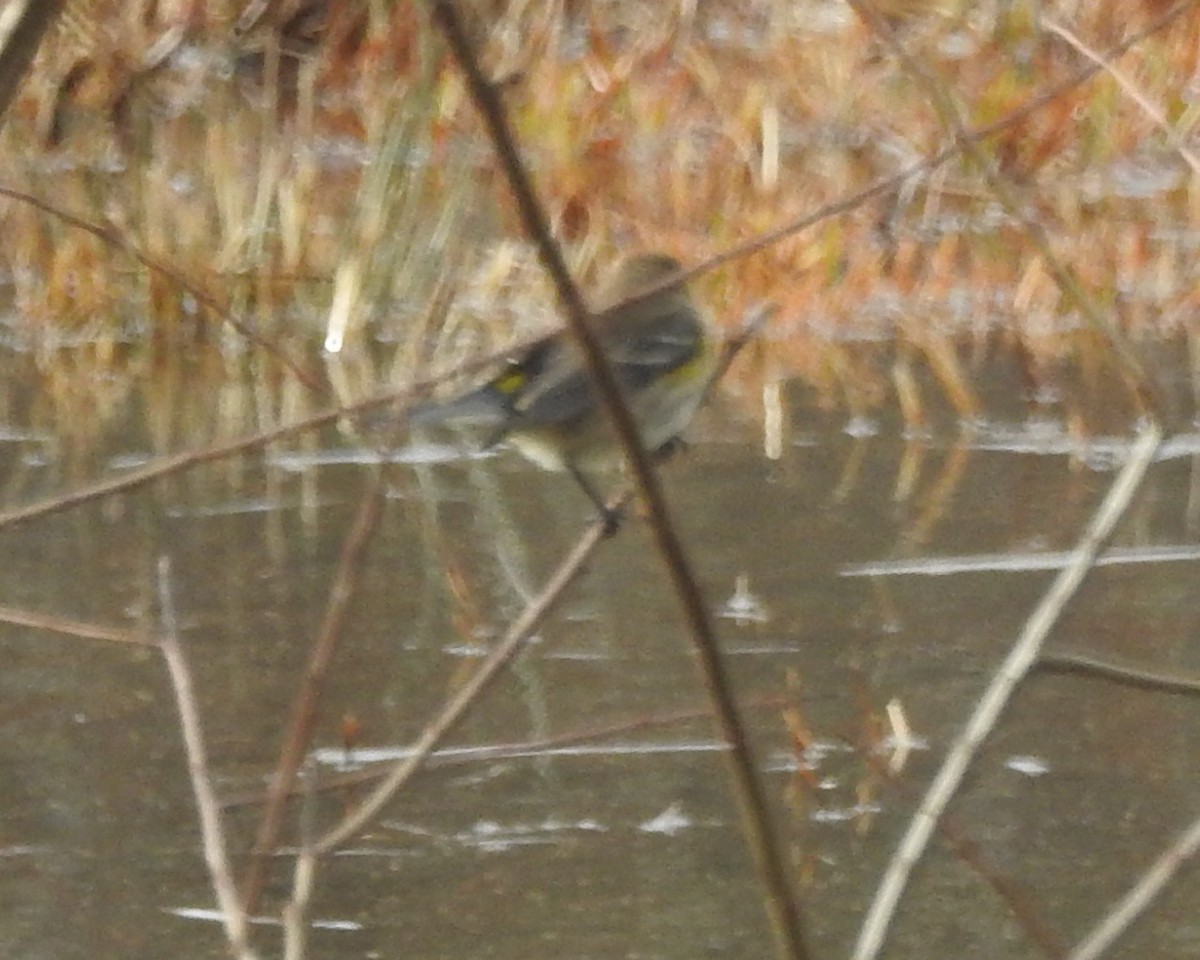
(486, 407)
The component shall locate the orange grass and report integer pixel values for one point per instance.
(301, 161)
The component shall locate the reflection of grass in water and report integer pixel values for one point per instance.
(331, 171)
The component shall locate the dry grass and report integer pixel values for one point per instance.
(322, 173)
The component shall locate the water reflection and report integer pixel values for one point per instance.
(600, 822)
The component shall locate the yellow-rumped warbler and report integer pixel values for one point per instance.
(543, 402)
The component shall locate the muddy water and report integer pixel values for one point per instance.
(861, 568)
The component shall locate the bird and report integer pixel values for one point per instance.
(663, 354)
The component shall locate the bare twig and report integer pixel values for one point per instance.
(74, 628)
(1012, 671)
(304, 874)
(1138, 900)
(294, 930)
(212, 830)
(886, 185)
(1021, 902)
(456, 708)
(157, 469)
(165, 466)
(304, 707)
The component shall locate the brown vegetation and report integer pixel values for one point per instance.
(318, 167)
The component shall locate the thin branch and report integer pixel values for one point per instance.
(1012, 671)
(165, 466)
(160, 468)
(304, 874)
(74, 628)
(1138, 900)
(781, 907)
(304, 707)
(466, 696)
(212, 830)
(1021, 902)
(295, 931)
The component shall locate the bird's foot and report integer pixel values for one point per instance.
(610, 518)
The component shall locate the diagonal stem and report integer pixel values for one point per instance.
(783, 911)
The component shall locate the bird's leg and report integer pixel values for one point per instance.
(608, 516)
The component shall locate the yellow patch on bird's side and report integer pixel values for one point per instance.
(694, 366)
(510, 382)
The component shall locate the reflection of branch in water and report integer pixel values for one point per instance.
(1121, 671)
(908, 472)
(851, 470)
(507, 548)
(908, 392)
(937, 501)
(570, 742)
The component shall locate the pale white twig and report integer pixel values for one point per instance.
(211, 829)
(1140, 897)
(1016, 665)
(294, 926)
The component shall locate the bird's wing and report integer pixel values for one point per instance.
(662, 345)
(562, 389)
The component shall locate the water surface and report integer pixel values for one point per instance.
(862, 567)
